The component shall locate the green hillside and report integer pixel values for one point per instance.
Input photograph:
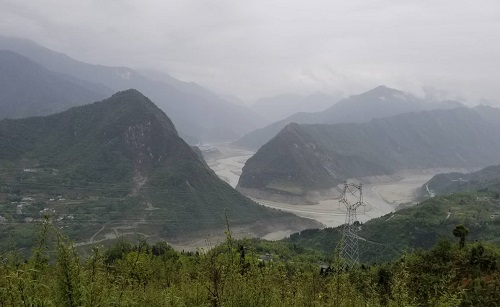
(314, 157)
(110, 168)
(486, 179)
(294, 163)
(238, 274)
(388, 237)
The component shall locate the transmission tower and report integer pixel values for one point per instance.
(352, 198)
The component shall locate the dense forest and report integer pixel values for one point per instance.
(235, 273)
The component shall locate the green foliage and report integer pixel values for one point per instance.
(485, 181)
(420, 226)
(460, 231)
(316, 157)
(232, 274)
(113, 164)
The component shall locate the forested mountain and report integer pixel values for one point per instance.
(198, 113)
(486, 179)
(376, 103)
(118, 164)
(29, 89)
(313, 157)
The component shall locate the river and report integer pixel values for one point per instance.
(379, 198)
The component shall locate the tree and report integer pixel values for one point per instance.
(460, 231)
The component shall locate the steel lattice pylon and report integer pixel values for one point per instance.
(352, 198)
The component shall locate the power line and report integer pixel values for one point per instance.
(352, 198)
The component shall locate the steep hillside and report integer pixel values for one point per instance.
(315, 157)
(29, 89)
(376, 103)
(486, 179)
(119, 166)
(420, 226)
(198, 113)
(293, 162)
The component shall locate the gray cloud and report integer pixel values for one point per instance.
(256, 48)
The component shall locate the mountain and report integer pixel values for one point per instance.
(115, 167)
(376, 103)
(29, 89)
(486, 179)
(198, 113)
(315, 157)
(279, 107)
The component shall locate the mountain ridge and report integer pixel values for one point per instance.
(317, 157)
(120, 165)
(198, 113)
(483, 180)
(29, 89)
(379, 102)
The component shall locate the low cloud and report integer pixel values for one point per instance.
(258, 48)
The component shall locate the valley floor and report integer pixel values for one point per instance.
(380, 197)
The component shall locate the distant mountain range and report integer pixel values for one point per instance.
(29, 89)
(277, 108)
(315, 157)
(376, 103)
(118, 162)
(198, 113)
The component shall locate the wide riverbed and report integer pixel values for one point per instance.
(379, 198)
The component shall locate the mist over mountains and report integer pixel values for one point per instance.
(249, 153)
(314, 157)
(277, 108)
(198, 113)
(29, 89)
(378, 102)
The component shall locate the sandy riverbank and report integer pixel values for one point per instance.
(380, 197)
(228, 163)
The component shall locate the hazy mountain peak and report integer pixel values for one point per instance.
(130, 93)
(383, 91)
(281, 106)
(29, 89)
(303, 157)
(292, 126)
(198, 113)
(378, 102)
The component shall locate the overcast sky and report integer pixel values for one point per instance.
(254, 48)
